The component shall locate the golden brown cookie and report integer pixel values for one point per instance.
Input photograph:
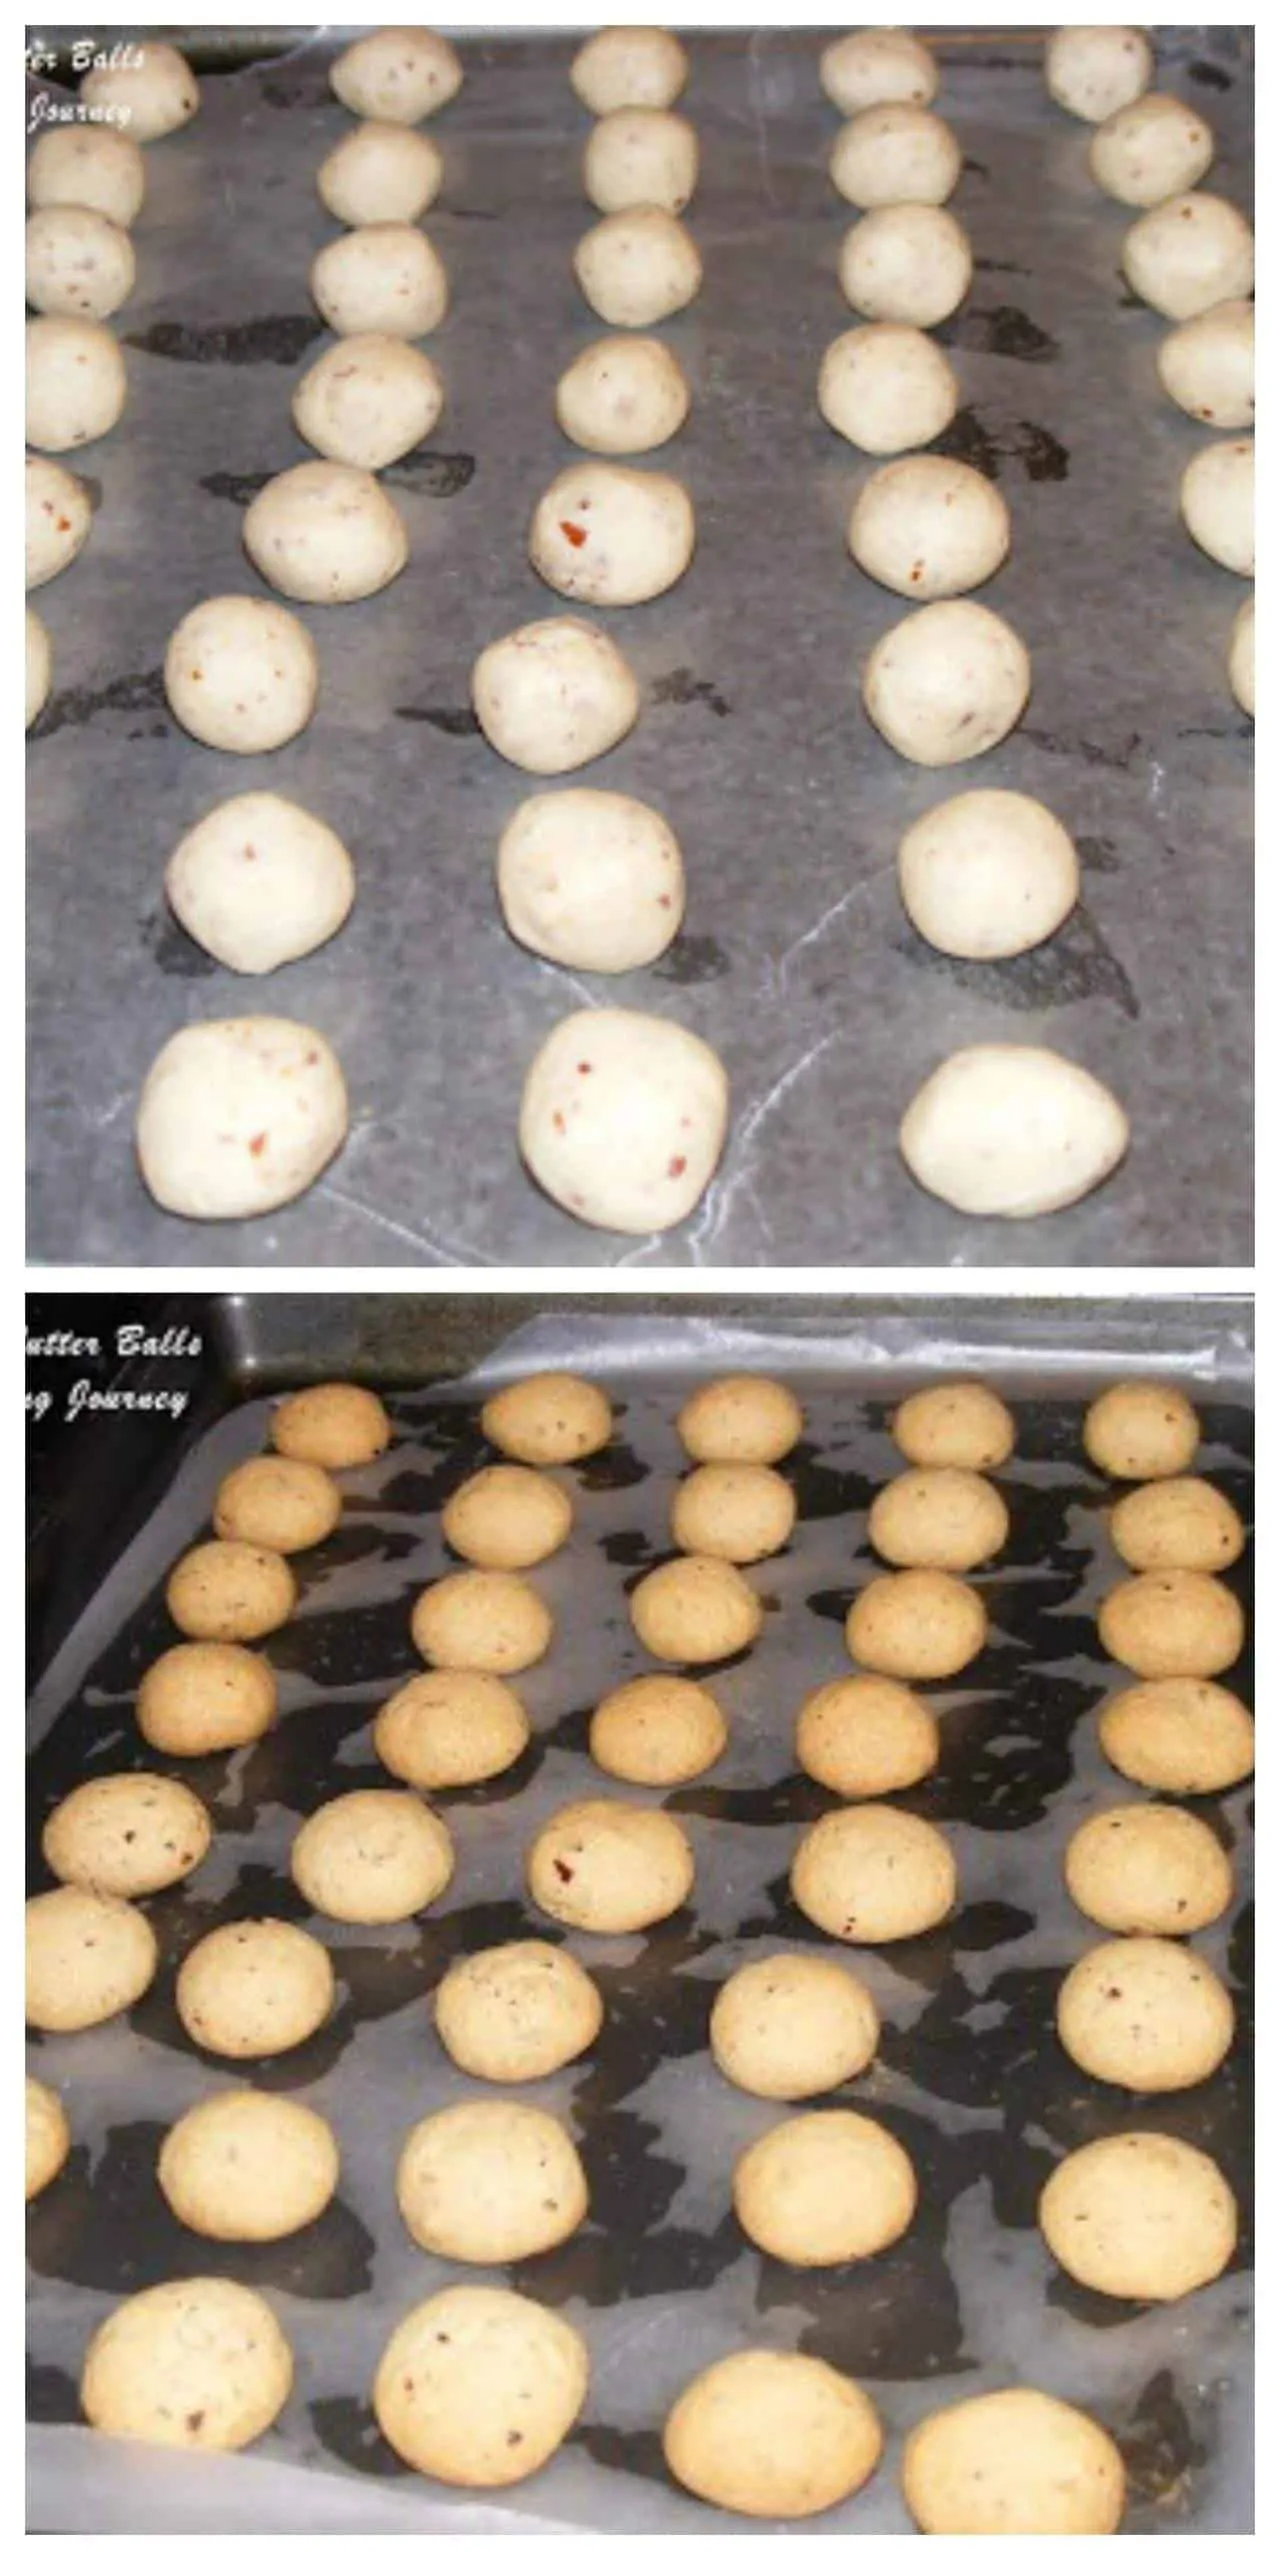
(793, 2027)
(481, 1622)
(284, 1504)
(772, 2435)
(48, 2137)
(254, 1987)
(1145, 2013)
(206, 1697)
(1140, 2216)
(374, 1855)
(517, 2012)
(478, 2386)
(333, 1426)
(508, 1518)
(610, 1867)
(490, 2181)
(916, 1625)
(227, 1593)
(696, 1609)
(657, 1731)
(824, 2188)
(960, 1425)
(740, 1420)
(1181, 1523)
(870, 1874)
(865, 1736)
(1172, 1625)
(247, 2165)
(1189, 1737)
(450, 1729)
(130, 1834)
(202, 2362)
(549, 1420)
(1149, 1869)
(1012, 2462)
(739, 1512)
(1141, 1429)
(89, 1955)
(946, 1518)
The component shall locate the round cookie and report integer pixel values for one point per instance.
(696, 1609)
(629, 67)
(947, 683)
(89, 164)
(201, 2362)
(948, 1518)
(638, 267)
(896, 154)
(1207, 365)
(926, 526)
(39, 667)
(254, 1987)
(48, 2137)
(548, 1420)
(384, 280)
(1095, 71)
(248, 2166)
(259, 882)
(1151, 150)
(622, 395)
(325, 533)
(507, 1517)
(1181, 1523)
(886, 387)
(1172, 1625)
(478, 2386)
(76, 383)
(130, 1834)
(772, 2435)
(906, 262)
(205, 1697)
(283, 1504)
(869, 1874)
(623, 1119)
(1140, 2216)
(371, 1856)
(865, 1736)
(878, 67)
(1139, 1430)
(380, 172)
(490, 2181)
(398, 74)
(151, 93)
(1216, 502)
(450, 1729)
(89, 1955)
(793, 2027)
(657, 1731)
(1186, 256)
(59, 516)
(591, 879)
(1012, 2462)
(1240, 669)
(1149, 1869)
(824, 2189)
(605, 534)
(987, 874)
(77, 262)
(517, 2012)
(481, 1622)
(609, 1867)
(227, 1591)
(746, 1420)
(332, 1426)
(1145, 2014)
(960, 1425)
(739, 1511)
(241, 674)
(554, 695)
(640, 156)
(916, 1625)
(368, 400)
(1188, 1737)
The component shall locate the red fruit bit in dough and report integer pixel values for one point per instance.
(258, 1144)
(677, 1166)
(574, 533)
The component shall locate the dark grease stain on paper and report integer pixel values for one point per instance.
(1074, 963)
(77, 705)
(434, 475)
(999, 330)
(272, 341)
(691, 960)
(681, 685)
(172, 949)
(984, 448)
(454, 724)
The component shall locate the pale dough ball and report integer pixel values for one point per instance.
(517, 2012)
(238, 1117)
(947, 683)
(490, 2181)
(742, 1420)
(916, 1625)
(380, 173)
(1172, 1625)
(479, 2387)
(241, 674)
(206, 1697)
(929, 527)
(960, 1425)
(609, 1867)
(907, 262)
(1140, 2216)
(225, 1592)
(629, 67)
(76, 383)
(510, 1517)
(1206, 366)
(260, 882)
(1148, 1869)
(248, 2166)
(1240, 658)
(793, 2027)
(48, 2137)
(59, 513)
(285, 1503)
(870, 1874)
(886, 387)
(372, 1856)
(824, 2189)
(481, 1622)
(1155, 148)
(591, 879)
(368, 401)
(988, 874)
(77, 262)
(398, 74)
(1183, 1522)
(91, 165)
(450, 1729)
(1145, 2014)
(1139, 1429)
(1188, 1737)
(878, 67)
(89, 1955)
(1216, 500)
(637, 267)
(640, 156)
(1095, 71)
(602, 534)
(695, 1609)
(622, 395)
(1185, 256)
(741, 1512)
(549, 1420)
(1000, 1131)
(769, 2434)
(947, 1517)
(333, 1426)
(623, 1119)
(386, 278)
(657, 1731)
(201, 2362)
(893, 155)
(866, 1736)
(39, 666)
(1013, 2461)
(129, 1835)
(254, 1987)
(154, 93)
(554, 695)
(326, 534)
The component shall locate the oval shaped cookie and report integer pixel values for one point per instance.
(1141, 1428)
(696, 1609)
(793, 2026)
(610, 1867)
(1181, 1523)
(254, 1987)
(1143, 2217)
(89, 1955)
(824, 2189)
(1148, 1869)
(1189, 1737)
(450, 1729)
(478, 2387)
(202, 2362)
(946, 1518)
(281, 1503)
(550, 1419)
(740, 1420)
(228, 1592)
(1166, 1625)
(248, 2165)
(490, 2181)
(205, 1697)
(772, 2435)
(657, 1731)
(334, 1425)
(481, 1621)
(130, 1834)
(1146, 2014)
(508, 1518)
(865, 1736)
(517, 2012)
(956, 1425)
(869, 1874)
(739, 1512)
(1012, 2462)
(374, 1855)
(916, 1625)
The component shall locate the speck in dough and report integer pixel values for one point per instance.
(324, 533)
(640, 156)
(507, 1517)
(1095, 71)
(48, 2137)
(695, 1609)
(380, 173)
(76, 383)
(384, 278)
(283, 1503)
(206, 1697)
(1001, 1131)
(368, 400)
(638, 267)
(946, 683)
(610, 1867)
(629, 67)
(39, 666)
(517, 2012)
(450, 1729)
(260, 882)
(886, 387)
(399, 75)
(1181, 1523)
(248, 2165)
(988, 874)
(1172, 1625)
(824, 2189)
(1012, 2462)
(92, 165)
(657, 1731)
(550, 1419)
(77, 262)
(202, 2362)
(237, 1117)
(254, 1987)
(1188, 255)
(130, 1834)
(772, 2435)
(591, 879)
(1142, 2217)
(919, 1624)
(554, 695)
(603, 534)
(906, 262)
(89, 1955)
(960, 1425)
(1141, 1428)
(793, 2027)
(743, 1419)
(1216, 500)
(1149, 1870)
(865, 1736)
(478, 2386)
(622, 395)
(490, 2181)
(1207, 365)
(623, 1119)
(1155, 148)
(946, 1517)
(227, 1592)
(241, 674)
(1187, 1737)
(891, 155)
(333, 1425)
(375, 1855)
(741, 1512)
(869, 1874)
(481, 1621)
(1146, 2014)
(154, 93)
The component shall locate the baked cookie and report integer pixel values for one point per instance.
(478, 2387)
(206, 1697)
(695, 1609)
(248, 2166)
(1172, 1625)
(1149, 1869)
(824, 2188)
(865, 1736)
(609, 1867)
(517, 2012)
(1140, 2216)
(767, 2434)
(740, 1421)
(1012, 2462)
(1145, 2013)
(739, 1512)
(450, 1729)
(870, 1874)
(549, 1420)
(490, 2181)
(1188, 1737)
(281, 1503)
(374, 1855)
(227, 1593)
(254, 1987)
(48, 2136)
(657, 1731)
(1140, 1429)
(481, 1622)
(964, 1425)
(948, 1518)
(916, 1625)
(89, 1955)
(127, 1835)
(507, 1517)
(202, 2362)
(793, 2027)
(1181, 1524)
(332, 1426)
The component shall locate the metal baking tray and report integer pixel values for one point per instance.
(796, 960)
(660, 2279)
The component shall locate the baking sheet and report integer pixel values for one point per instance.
(969, 2073)
(796, 961)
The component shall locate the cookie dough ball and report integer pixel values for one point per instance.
(629, 67)
(892, 155)
(591, 879)
(517, 2012)
(1139, 1429)
(1153, 149)
(59, 513)
(622, 395)
(637, 267)
(907, 262)
(825, 2189)
(870, 1874)
(282, 1503)
(326, 534)
(1187, 255)
(1149, 1870)
(793, 2027)
(490, 2181)
(399, 74)
(1001, 1131)
(372, 1856)
(916, 1625)
(767, 2434)
(508, 1517)
(1095, 71)
(201, 2362)
(657, 1731)
(481, 1622)
(380, 173)
(740, 1420)
(76, 383)
(623, 1119)
(548, 1420)
(241, 674)
(865, 1736)
(1013, 2461)
(248, 2166)
(39, 666)
(91, 165)
(77, 263)
(1216, 500)
(478, 2387)
(947, 683)
(739, 1512)
(1207, 367)
(1182, 1523)
(48, 2137)
(260, 882)
(1239, 659)
(946, 1517)
(1172, 1625)
(602, 534)
(960, 1425)
(368, 401)
(609, 1867)
(1187, 1737)
(238, 1117)
(254, 1987)
(228, 1592)
(1140, 2216)
(554, 695)
(206, 1697)
(695, 1609)
(130, 1834)
(1145, 2014)
(988, 874)
(385, 278)
(153, 94)
(450, 1729)
(929, 527)
(332, 1426)
(89, 1955)
(887, 388)
(640, 156)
